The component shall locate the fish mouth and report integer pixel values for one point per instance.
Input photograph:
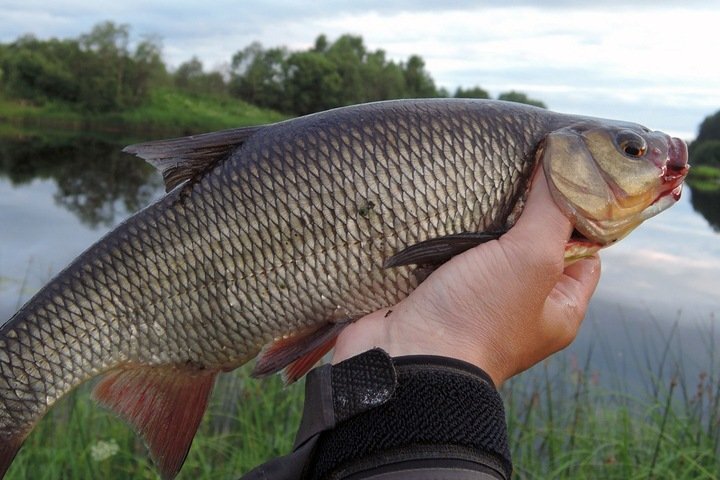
(675, 169)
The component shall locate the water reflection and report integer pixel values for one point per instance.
(92, 175)
(707, 203)
(95, 180)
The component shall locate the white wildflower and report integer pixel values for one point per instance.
(103, 450)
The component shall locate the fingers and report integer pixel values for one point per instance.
(567, 304)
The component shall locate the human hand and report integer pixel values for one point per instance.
(502, 306)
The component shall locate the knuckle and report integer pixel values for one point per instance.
(573, 314)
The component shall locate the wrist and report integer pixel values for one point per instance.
(402, 334)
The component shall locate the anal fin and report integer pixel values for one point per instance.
(296, 370)
(299, 352)
(164, 405)
(9, 447)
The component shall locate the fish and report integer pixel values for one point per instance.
(271, 239)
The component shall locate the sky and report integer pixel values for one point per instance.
(645, 61)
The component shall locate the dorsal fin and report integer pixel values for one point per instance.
(179, 159)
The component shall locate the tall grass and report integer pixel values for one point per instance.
(248, 421)
(563, 424)
(566, 424)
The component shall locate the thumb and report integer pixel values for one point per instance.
(541, 219)
(537, 241)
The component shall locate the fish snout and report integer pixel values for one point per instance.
(677, 160)
(676, 168)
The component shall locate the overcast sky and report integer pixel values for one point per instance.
(657, 65)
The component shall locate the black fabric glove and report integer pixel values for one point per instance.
(420, 417)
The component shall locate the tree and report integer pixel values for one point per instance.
(709, 129)
(348, 55)
(418, 82)
(706, 152)
(473, 92)
(519, 97)
(110, 44)
(258, 76)
(39, 70)
(313, 83)
(107, 39)
(327, 75)
(321, 44)
(147, 68)
(381, 79)
(188, 74)
(94, 73)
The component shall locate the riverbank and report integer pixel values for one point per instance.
(167, 111)
(705, 178)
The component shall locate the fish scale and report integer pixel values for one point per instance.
(272, 236)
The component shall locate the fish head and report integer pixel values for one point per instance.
(609, 177)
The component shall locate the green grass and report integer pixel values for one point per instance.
(248, 421)
(704, 177)
(595, 433)
(176, 110)
(561, 425)
(166, 110)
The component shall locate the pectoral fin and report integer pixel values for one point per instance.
(437, 251)
(163, 404)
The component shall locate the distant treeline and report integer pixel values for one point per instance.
(95, 72)
(99, 72)
(705, 150)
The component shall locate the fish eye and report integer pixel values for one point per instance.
(631, 144)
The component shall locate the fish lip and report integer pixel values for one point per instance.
(674, 170)
(677, 159)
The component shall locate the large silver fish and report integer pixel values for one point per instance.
(275, 237)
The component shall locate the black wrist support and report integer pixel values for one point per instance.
(411, 410)
(419, 417)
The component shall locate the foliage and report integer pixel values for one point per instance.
(258, 75)
(112, 77)
(474, 92)
(706, 152)
(327, 75)
(519, 97)
(709, 129)
(190, 77)
(98, 72)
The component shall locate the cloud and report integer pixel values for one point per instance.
(606, 58)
